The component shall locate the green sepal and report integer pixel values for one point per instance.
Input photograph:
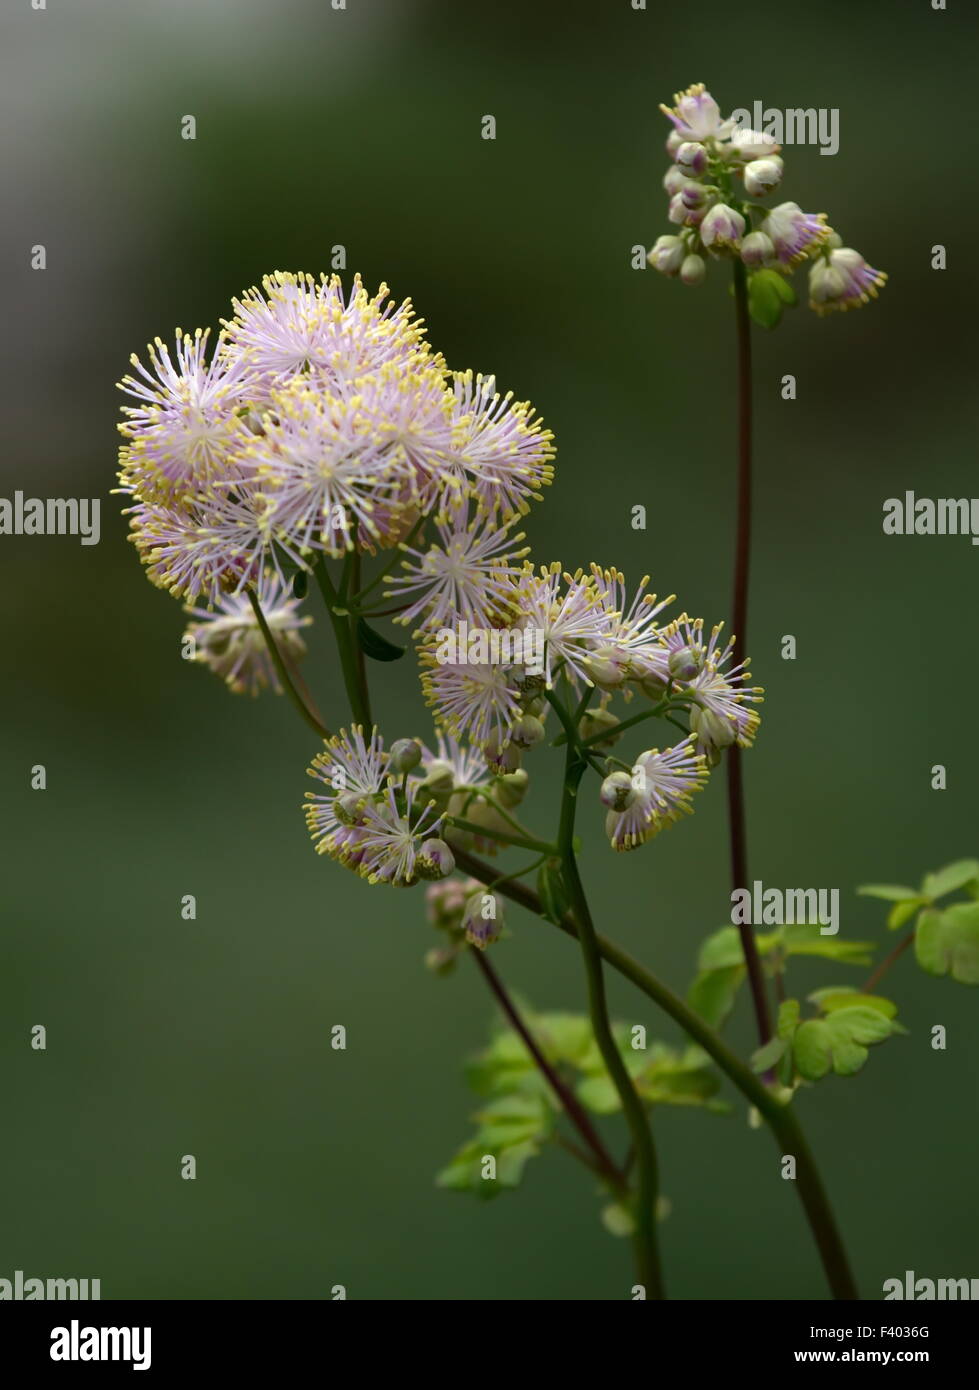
(375, 646)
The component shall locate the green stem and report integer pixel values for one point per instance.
(602, 1161)
(347, 646)
(779, 1117)
(645, 1241)
(521, 841)
(284, 674)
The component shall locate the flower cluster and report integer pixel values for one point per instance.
(719, 170)
(321, 421)
(323, 428)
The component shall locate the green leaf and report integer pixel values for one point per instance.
(764, 300)
(953, 876)
(783, 288)
(890, 892)
(788, 1018)
(511, 1131)
(721, 949)
(713, 993)
(806, 939)
(947, 942)
(812, 1049)
(903, 912)
(375, 646)
(300, 584)
(845, 997)
(764, 1058)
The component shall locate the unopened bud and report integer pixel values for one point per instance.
(598, 721)
(512, 787)
(527, 732)
(694, 270)
(757, 249)
(667, 255)
(435, 860)
(405, 755)
(763, 176)
(691, 158)
(685, 663)
(617, 792)
(482, 919)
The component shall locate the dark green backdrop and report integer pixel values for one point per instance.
(211, 1037)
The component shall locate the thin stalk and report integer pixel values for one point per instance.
(779, 1117)
(602, 1159)
(634, 1109)
(742, 561)
(354, 583)
(521, 841)
(284, 674)
(887, 962)
(347, 646)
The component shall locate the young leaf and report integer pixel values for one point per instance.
(845, 997)
(764, 1058)
(947, 943)
(946, 880)
(713, 993)
(890, 892)
(903, 912)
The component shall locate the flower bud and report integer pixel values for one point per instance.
(441, 960)
(763, 176)
(757, 249)
(673, 142)
(834, 241)
(752, 144)
(617, 792)
(598, 721)
(667, 255)
(482, 919)
(685, 663)
(694, 270)
(680, 214)
(674, 180)
(405, 755)
(512, 788)
(691, 158)
(435, 860)
(445, 902)
(722, 227)
(693, 196)
(527, 732)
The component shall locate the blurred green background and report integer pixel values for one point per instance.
(211, 1037)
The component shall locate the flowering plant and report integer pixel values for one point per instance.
(321, 434)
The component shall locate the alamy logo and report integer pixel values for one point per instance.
(777, 907)
(794, 126)
(491, 646)
(51, 516)
(18, 1288)
(923, 1290)
(75, 1343)
(930, 516)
